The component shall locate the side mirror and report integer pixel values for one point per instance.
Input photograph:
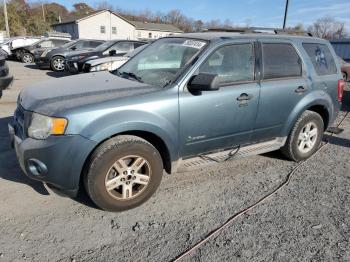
(112, 52)
(203, 82)
(74, 48)
(38, 46)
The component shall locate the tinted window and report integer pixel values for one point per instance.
(280, 60)
(234, 63)
(321, 58)
(136, 45)
(92, 44)
(57, 43)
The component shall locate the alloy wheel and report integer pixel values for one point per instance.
(307, 137)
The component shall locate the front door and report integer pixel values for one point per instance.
(224, 118)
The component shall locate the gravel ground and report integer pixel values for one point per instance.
(307, 221)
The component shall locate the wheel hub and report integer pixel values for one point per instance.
(128, 177)
(307, 137)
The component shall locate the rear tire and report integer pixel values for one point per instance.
(123, 173)
(27, 58)
(305, 137)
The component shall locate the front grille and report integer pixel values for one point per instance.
(21, 119)
(86, 68)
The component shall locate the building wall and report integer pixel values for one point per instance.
(91, 27)
(71, 28)
(146, 34)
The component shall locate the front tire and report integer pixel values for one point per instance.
(27, 58)
(305, 137)
(123, 173)
(57, 64)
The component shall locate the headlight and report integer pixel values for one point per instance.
(110, 66)
(101, 67)
(41, 127)
(77, 57)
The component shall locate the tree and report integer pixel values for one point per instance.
(328, 28)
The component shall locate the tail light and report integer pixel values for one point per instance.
(341, 85)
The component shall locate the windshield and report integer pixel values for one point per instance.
(160, 63)
(135, 51)
(104, 46)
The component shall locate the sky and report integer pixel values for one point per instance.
(262, 13)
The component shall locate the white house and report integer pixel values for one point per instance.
(107, 25)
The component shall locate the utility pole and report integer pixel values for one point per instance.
(42, 7)
(285, 15)
(6, 20)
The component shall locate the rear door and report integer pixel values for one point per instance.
(283, 85)
(224, 118)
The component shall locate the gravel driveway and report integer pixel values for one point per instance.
(309, 220)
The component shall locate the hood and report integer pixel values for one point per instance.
(56, 96)
(107, 59)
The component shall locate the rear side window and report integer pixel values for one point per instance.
(93, 44)
(234, 63)
(321, 58)
(280, 61)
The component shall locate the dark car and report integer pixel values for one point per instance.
(5, 77)
(76, 60)
(26, 53)
(345, 69)
(55, 58)
(184, 102)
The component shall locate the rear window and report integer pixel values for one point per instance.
(322, 59)
(280, 61)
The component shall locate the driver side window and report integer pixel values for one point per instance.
(233, 63)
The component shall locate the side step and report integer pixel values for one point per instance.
(220, 157)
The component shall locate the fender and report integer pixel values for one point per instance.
(314, 98)
(104, 125)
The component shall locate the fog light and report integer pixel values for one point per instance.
(36, 167)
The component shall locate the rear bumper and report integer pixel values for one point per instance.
(57, 161)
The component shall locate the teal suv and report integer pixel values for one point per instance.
(182, 103)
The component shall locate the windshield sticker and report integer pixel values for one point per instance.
(320, 58)
(194, 44)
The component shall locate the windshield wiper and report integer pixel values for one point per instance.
(132, 75)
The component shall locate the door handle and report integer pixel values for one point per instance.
(244, 97)
(300, 89)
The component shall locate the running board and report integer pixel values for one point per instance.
(194, 163)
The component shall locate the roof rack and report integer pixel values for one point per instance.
(257, 30)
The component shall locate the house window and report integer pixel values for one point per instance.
(149, 35)
(102, 29)
(114, 30)
(138, 33)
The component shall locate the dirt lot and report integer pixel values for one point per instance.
(306, 221)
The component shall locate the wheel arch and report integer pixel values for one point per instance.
(316, 102)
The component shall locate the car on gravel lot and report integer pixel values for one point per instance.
(184, 102)
(26, 53)
(110, 63)
(345, 69)
(55, 59)
(5, 77)
(14, 43)
(76, 60)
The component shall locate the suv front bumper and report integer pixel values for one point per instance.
(57, 161)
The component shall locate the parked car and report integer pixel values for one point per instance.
(5, 77)
(76, 60)
(55, 58)
(184, 102)
(110, 63)
(17, 42)
(345, 69)
(26, 53)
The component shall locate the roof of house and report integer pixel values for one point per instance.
(155, 27)
(138, 25)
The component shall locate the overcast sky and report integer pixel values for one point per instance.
(267, 13)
